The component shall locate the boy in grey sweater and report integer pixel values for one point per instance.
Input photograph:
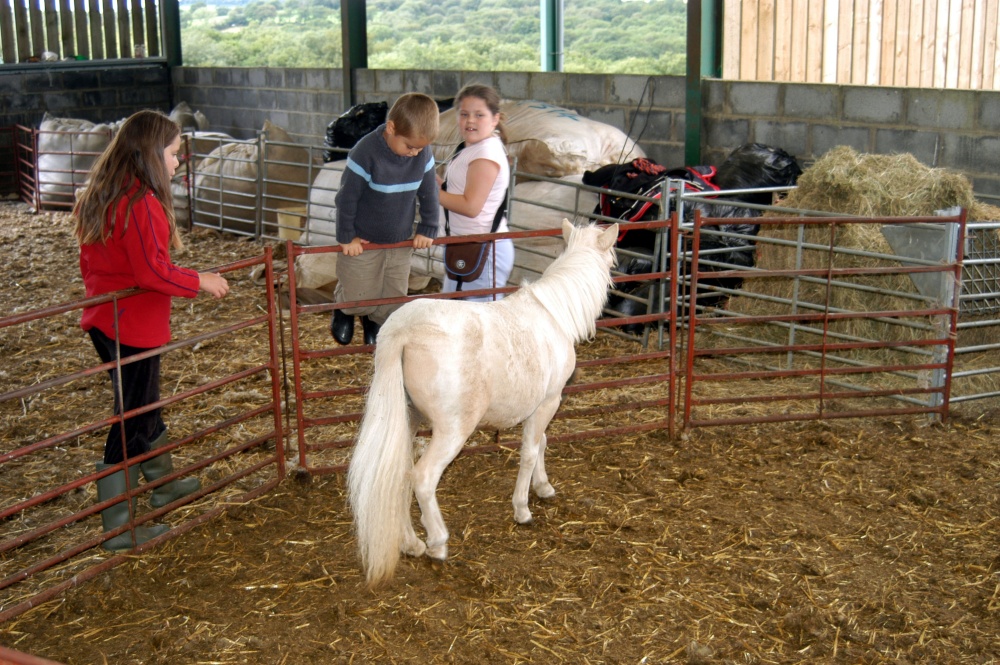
(388, 172)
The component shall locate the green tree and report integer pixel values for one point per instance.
(601, 36)
(260, 12)
(237, 17)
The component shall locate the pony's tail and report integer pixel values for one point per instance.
(378, 478)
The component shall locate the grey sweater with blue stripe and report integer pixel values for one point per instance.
(379, 192)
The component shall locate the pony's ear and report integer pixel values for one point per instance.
(607, 238)
(567, 229)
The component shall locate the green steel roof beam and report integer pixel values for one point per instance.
(552, 35)
(704, 24)
(354, 44)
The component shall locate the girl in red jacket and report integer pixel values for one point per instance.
(125, 225)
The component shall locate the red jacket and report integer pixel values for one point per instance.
(138, 256)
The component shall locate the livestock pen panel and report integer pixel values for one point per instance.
(978, 330)
(818, 330)
(621, 387)
(220, 391)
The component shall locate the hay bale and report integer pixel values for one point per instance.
(853, 183)
(864, 185)
(846, 182)
(983, 212)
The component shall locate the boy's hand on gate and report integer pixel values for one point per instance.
(422, 242)
(354, 247)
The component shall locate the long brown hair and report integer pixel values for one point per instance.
(490, 98)
(134, 155)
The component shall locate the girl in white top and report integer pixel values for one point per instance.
(478, 177)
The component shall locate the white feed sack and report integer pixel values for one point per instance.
(428, 263)
(319, 271)
(543, 205)
(548, 140)
(316, 271)
(67, 149)
(321, 221)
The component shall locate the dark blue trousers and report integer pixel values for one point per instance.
(140, 385)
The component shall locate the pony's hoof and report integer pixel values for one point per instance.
(523, 517)
(439, 552)
(415, 549)
(546, 491)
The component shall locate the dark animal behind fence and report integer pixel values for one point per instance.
(351, 125)
(751, 166)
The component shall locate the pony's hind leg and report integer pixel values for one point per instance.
(532, 467)
(426, 474)
(539, 479)
(412, 545)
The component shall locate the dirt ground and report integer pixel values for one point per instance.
(874, 541)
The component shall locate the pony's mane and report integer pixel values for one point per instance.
(574, 288)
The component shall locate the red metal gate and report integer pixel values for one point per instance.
(49, 539)
(329, 398)
(823, 331)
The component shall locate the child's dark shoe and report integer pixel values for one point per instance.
(371, 329)
(342, 327)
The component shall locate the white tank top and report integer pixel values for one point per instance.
(456, 172)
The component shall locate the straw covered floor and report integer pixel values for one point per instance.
(844, 542)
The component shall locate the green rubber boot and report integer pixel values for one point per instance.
(162, 465)
(115, 516)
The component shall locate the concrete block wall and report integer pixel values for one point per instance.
(953, 129)
(956, 129)
(82, 90)
(237, 101)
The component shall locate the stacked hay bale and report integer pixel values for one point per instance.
(844, 181)
(853, 184)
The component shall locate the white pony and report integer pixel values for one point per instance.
(459, 365)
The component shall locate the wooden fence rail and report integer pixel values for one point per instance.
(34, 30)
(900, 43)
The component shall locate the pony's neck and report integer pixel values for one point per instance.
(572, 291)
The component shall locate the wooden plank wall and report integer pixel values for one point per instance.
(899, 43)
(78, 29)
